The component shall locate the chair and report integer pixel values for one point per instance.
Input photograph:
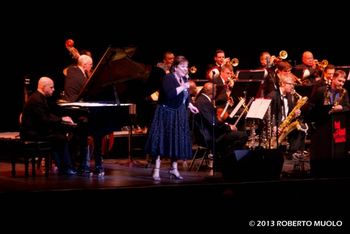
(201, 142)
(30, 150)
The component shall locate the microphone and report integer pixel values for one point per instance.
(186, 77)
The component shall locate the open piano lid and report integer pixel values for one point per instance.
(116, 78)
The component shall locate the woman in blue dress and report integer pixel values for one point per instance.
(169, 134)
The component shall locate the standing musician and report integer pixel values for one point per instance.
(311, 70)
(224, 83)
(324, 101)
(75, 80)
(333, 94)
(272, 80)
(327, 76)
(265, 62)
(77, 77)
(168, 59)
(214, 69)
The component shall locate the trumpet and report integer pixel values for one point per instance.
(281, 56)
(234, 62)
(323, 64)
(193, 69)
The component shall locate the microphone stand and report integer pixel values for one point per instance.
(213, 117)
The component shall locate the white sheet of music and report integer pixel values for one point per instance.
(237, 108)
(258, 108)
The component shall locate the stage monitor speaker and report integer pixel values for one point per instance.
(259, 164)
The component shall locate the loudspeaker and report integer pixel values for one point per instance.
(258, 164)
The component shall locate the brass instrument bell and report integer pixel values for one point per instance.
(234, 62)
(193, 69)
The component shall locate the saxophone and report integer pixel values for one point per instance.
(339, 99)
(287, 125)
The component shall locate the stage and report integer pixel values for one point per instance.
(204, 200)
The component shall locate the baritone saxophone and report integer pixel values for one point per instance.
(287, 125)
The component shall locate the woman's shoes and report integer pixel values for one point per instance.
(174, 173)
(155, 174)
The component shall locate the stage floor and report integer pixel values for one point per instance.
(203, 201)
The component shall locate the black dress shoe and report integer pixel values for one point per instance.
(85, 172)
(99, 171)
(68, 172)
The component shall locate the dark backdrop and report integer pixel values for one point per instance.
(33, 37)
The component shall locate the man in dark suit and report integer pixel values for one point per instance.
(227, 137)
(38, 122)
(325, 102)
(76, 77)
(282, 104)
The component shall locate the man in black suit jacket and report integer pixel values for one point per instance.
(282, 103)
(38, 122)
(227, 137)
(75, 80)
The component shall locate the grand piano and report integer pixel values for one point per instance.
(109, 98)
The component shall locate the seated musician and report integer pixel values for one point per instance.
(227, 137)
(38, 122)
(283, 102)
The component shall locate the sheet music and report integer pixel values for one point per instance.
(258, 108)
(237, 107)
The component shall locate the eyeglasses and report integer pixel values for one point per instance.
(289, 83)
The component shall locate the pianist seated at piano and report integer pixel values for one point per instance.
(39, 122)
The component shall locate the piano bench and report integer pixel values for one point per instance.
(30, 150)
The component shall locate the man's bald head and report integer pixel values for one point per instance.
(46, 86)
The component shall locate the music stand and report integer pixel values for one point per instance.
(246, 88)
(251, 75)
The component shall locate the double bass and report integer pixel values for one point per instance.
(69, 44)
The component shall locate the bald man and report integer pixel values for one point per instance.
(76, 78)
(227, 137)
(39, 122)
